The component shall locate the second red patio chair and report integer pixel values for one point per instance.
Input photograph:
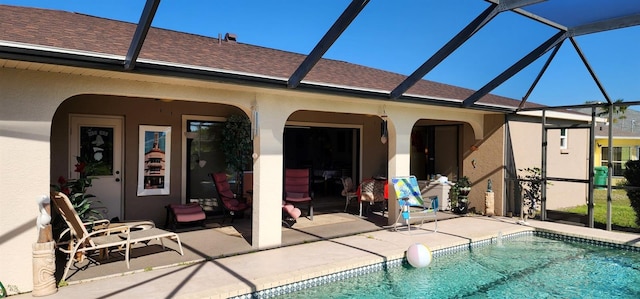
(297, 188)
(230, 203)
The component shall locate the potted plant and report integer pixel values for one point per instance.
(531, 183)
(461, 193)
(237, 146)
(76, 190)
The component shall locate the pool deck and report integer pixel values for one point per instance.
(245, 273)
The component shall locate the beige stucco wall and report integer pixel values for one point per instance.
(526, 136)
(570, 163)
(483, 159)
(30, 99)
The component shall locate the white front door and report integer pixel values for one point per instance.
(99, 140)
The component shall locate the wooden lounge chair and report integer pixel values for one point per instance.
(82, 243)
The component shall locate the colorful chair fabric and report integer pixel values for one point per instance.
(297, 188)
(411, 204)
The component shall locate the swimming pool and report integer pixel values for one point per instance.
(527, 266)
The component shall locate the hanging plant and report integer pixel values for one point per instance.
(237, 145)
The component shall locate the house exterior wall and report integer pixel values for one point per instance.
(617, 142)
(573, 163)
(526, 137)
(27, 122)
(31, 98)
(136, 111)
(483, 161)
(29, 101)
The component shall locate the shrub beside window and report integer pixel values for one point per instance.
(632, 175)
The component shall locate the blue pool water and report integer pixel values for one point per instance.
(522, 267)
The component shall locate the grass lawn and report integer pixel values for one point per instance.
(622, 215)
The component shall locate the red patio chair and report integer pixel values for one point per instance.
(297, 188)
(229, 201)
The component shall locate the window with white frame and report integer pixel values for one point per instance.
(563, 138)
(620, 156)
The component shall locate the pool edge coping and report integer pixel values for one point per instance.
(290, 287)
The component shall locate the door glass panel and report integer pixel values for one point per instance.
(330, 153)
(434, 151)
(96, 149)
(205, 156)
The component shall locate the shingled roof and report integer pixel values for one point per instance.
(80, 32)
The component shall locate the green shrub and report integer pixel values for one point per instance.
(632, 175)
(531, 181)
(237, 144)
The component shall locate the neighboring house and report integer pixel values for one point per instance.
(62, 78)
(626, 144)
(626, 141)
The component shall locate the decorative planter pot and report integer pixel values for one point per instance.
(44, 268)
(463, 201)
(463, 206)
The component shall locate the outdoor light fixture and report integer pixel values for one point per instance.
(254, 122)
(384, 133)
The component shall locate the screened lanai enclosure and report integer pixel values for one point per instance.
(468, 101)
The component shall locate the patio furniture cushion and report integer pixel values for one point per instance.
(292, 210)
(184, 213)
(231, 204)
(189, 213)
(297, 188)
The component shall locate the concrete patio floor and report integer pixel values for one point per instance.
(241, 273)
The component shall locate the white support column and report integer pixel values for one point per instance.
(267, 171)
(399, 126)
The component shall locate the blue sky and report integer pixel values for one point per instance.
(400, 35)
